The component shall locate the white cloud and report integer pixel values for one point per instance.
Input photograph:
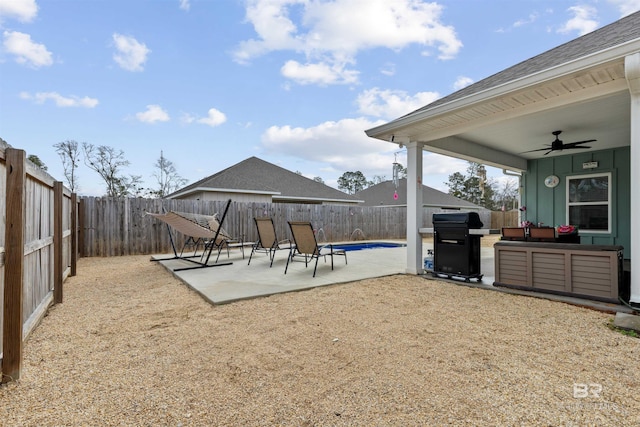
(388, 70)
(27, 52)
(154, 113)
(22, 10)
(391, 104)
(626, 7)
(330, 34)
(342, 144)
(529, 20)
(582, 20)
(214, 118)
(185, 5)
(462, 82)
(131, 54)
(320, 73)
(59, 100)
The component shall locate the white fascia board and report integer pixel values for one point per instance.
(221, 190)
(618, 52)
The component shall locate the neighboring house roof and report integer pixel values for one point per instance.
(383, 195)
(256, 176)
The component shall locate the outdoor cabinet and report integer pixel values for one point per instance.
(589, 271)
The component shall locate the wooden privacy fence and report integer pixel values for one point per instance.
(112, 227)
(501, 219)
(38, 247)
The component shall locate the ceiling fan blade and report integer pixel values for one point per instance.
(578, 144)
(539, 149)
(548, 151)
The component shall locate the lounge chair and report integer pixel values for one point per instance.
(306, 245)
(267, 240)
(198, 228)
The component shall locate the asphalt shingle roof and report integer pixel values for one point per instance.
(254, 175)
(382, 195)
(614, 34)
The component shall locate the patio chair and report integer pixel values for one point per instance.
(542, 234)
(267, 239)
(513, 233)
(306, 245)
(198, 228)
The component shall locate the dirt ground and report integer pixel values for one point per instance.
(131, 345)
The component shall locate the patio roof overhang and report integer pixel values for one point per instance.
(586, 98)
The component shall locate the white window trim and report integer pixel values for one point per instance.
(609, 201)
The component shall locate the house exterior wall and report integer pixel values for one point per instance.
(549, 205)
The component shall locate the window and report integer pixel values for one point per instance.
(589, 202)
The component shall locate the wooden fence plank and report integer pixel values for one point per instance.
(14, 265)
(58, 269)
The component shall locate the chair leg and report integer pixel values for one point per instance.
(253, 249)
(316, 266)
(272, 255)
(288, 258)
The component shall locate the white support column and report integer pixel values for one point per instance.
(414, 208)
(632, 74)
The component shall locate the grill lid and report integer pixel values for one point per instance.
(466, 219)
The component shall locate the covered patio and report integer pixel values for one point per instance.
(589, 89)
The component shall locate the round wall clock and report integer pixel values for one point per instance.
(551, 181)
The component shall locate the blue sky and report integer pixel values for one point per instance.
(294, 82)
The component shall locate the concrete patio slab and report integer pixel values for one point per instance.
(237, 281)
(227, 283)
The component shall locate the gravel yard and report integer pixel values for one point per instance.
(132, 345)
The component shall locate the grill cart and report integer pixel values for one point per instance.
(456, 247)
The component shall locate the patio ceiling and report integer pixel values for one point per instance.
(497, 126)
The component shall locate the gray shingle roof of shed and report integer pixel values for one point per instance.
(614, 34)
(254, 175)
(382, 195)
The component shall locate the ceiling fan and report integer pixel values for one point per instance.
(558, 145)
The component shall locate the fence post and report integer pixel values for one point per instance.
(58, 195)
(74, 233)
(82, 251)
(14, 264)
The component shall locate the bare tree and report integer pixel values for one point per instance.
(108, 163)
(167, 177)
(70, 155)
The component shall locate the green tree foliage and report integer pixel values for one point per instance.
(352, 182)
(108, 163)
(167, 178)
(318, 179)
(473, 187)
(70, 155)
(36, 161)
